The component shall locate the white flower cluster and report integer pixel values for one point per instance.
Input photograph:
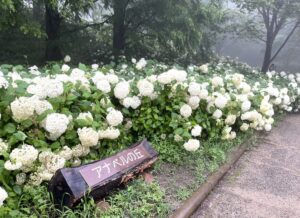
(192, 145)
(109, 133)
(145, 87)
(172, 75)
(131, 102)
(46, 87)
(85, 116)
(3, 146)
(56, 124)
(24, 108)
(22, 158)
(88, 136)
(121, 90)
(3, 195)
(114, 117)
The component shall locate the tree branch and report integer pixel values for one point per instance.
(286, 40)
(84, 27)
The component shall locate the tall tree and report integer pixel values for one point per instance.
(177, 29)
(276, 16)
(57, 12)
(53, 21)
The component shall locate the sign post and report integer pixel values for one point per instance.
(98, 178)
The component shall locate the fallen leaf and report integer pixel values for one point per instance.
(148, 177)
(103, 205)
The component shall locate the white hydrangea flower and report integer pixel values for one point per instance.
(88, 136)
(244, 127)
(20, 178)
(203, 94)
(98, 76)
(196, 131)
(3, 195)
(65, 68)
(34, 70)
(3, 83)
(217, 81)
(192, 145)
(66, 153)
(3, 146)
(41, 106)
(46, 87)
(217, 114)
(67, 58)
(112, 78)
(56, 124)
(221, 101)
(246, 88)
(194, 88)
(164, 78)
(133, 102)
(95, 66)
(145, 87)
(114, 117)
(121, 90)
(230, 119)
(76, 162)
(109, 133)
(141, 64)
(9, 165)
(104, 86)
(268, 127)
(204, 68)
(237, 79)
(246, 105)
(177, 138)
(178, 75)
(80, 151)
(186, 111)
(22, 157)
(85, 116)
(51, 162)
(78, 75)
(228, 134)
(152, 78)
(22, 108)
(194, 101)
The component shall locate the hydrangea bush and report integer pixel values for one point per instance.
(60, 116)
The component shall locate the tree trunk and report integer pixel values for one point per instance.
(53, 21)
(119, 7)
(268, 53)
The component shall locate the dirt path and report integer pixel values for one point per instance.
(265, 182)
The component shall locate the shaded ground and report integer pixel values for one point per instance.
(265, 182)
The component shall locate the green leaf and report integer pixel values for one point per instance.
(17, 189)
(20, 136)
(10, 128)
(56, 69)
(26, 123)
(82, 67)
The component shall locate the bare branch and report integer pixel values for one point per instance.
(85, 26)
(286, 40)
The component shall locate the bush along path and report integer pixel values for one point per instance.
(58, 116)
(265, 182)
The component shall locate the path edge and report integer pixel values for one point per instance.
(189, 206)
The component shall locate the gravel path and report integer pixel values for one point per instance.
(265, 182)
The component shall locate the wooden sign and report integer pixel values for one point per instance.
(97, 179)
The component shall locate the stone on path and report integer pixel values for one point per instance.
(265, 182)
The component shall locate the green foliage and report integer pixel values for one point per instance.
(138, 200)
